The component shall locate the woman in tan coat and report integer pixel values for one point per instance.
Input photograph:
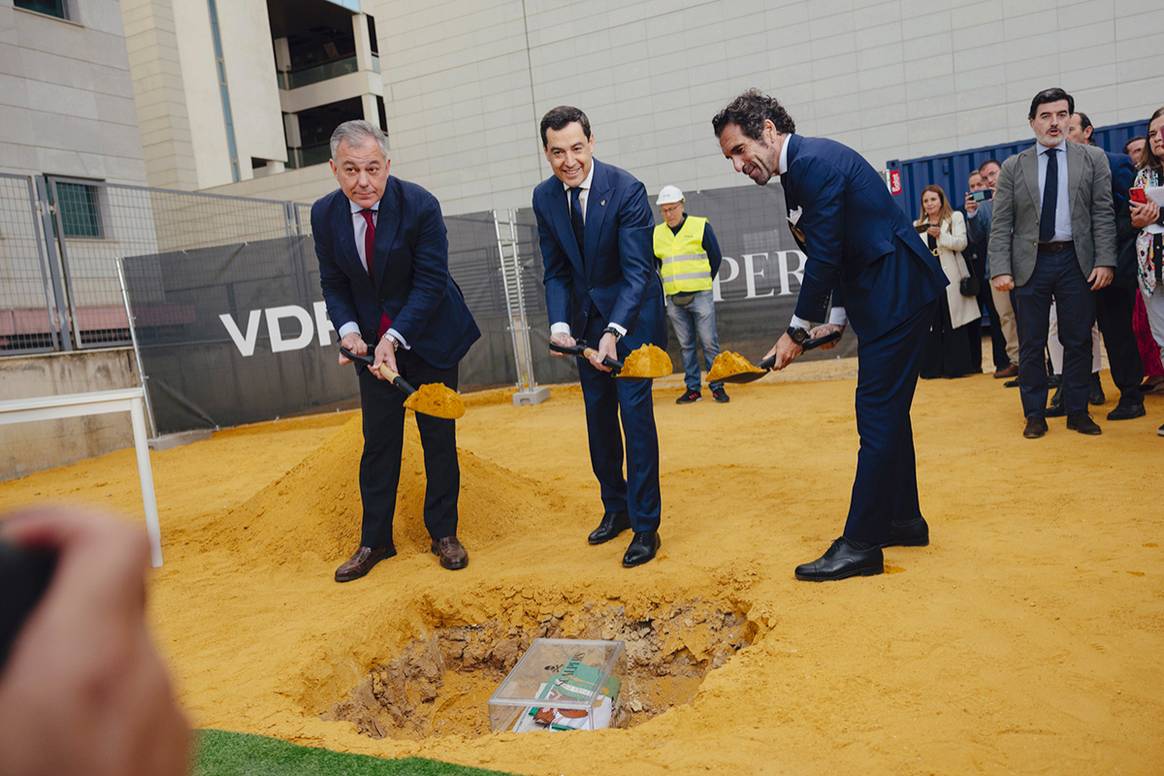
(949, 348)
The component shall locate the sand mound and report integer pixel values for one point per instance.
(315, 507)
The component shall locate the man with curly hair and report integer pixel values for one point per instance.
(862, 252)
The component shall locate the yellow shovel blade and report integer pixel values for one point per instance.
(647, 362)
(437, 400)
(729, 364)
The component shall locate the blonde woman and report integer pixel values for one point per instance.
(950, 350)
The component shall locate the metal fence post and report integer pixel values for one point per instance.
(145, 389)
(62, 317)
(528, 391)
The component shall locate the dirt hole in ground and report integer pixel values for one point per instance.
(441, 682)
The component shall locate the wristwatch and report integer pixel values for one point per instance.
(614, 331)
(798, 335)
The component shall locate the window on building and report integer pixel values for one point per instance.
(80, 209)
(57, 8)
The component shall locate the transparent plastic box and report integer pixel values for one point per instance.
(558, 685)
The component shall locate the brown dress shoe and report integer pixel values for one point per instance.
(1006, 371)
(452, 553)
(362, 562)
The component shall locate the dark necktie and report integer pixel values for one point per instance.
(1050, 197)
(576, 219)
(369, 255)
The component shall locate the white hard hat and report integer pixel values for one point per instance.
(669, 195)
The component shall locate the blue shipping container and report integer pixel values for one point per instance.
(951, 171)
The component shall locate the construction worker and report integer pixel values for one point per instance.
(689, 258)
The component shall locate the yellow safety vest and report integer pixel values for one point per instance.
(685, 267)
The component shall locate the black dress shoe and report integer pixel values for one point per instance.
(1055, 407)
(1096, 395)
(1127, 411)
(362, 562)
(1036, 427)
(915, 533)
(1011, 383)
(613, 523)
(451, 552)
(642, 548)
(1083, 424)
(840, 561)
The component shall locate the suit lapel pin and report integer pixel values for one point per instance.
(602, 203)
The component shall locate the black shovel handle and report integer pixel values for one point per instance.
(580, 349)
(809, 344)
(403, 385)
(816, 342)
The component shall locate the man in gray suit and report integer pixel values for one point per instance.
(1054, 236)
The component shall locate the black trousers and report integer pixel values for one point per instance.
(383, 416)
(1113, 311)
(1057, 275)
(885, 488)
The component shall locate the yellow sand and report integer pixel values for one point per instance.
(437, 400)
(1026, 638)
(728, 364)
(647, 361)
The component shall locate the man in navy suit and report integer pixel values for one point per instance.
(862, 249)
(595, 228)
(384, 268)
(1115, 304)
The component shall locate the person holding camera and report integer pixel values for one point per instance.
(979, 215)
(977, 192)
(949, 351)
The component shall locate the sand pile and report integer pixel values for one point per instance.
(314, 509)
(1024, 639)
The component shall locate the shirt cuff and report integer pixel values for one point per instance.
(971, 215)
(838, 317)
(561, 327)
(799, 323)
(620, 329)
(398, 337)
(351, 327)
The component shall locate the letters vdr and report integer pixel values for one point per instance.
(291, 327)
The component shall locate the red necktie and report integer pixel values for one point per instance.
(369, 253)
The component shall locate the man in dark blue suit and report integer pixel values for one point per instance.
(1115, 304)
(595, 228)
(862, 250)
(384, 268)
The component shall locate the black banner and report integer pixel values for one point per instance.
(239, 333)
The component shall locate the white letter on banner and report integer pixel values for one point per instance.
(245, 345)
(278, 344)
(750, 275)
(323, 324)
(717, 291)
(782, 258)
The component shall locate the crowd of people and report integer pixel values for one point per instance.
(1100, 206)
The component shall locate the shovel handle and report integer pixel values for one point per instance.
(809, 344)
(816, 342)
(585, 351)
(393, 377)
(403, 385)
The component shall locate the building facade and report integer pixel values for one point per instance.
(66, 95)
(464, 82)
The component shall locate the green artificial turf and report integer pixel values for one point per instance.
(236, 754)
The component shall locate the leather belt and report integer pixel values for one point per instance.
(1056, 247)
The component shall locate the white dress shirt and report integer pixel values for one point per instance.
(561, 327)
(837, 314)
(1062, 203)
(360, 227)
